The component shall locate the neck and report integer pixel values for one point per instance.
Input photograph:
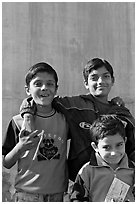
(102, 99)
(44, 109)
(113, 166)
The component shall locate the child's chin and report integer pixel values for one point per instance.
(115, 161)
(43, 104)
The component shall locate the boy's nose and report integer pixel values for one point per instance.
(44, 87)
(100, 79)
(113, 153)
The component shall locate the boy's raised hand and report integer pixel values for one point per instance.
(28, 140)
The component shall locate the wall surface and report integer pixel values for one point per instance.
(66, 35)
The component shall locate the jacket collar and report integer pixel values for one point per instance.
(97, 161)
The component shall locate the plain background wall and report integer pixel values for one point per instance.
(66, 35)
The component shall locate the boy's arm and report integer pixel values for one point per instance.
(28, 106)
(11, 158)
(79, 191)
(13, 152)
(28, 110)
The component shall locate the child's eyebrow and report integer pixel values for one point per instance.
(106, 145)
(107, 72)
(93, 74)
(120, 142)
(50, 80)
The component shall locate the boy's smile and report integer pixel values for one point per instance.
(43, 89)
(100, 83)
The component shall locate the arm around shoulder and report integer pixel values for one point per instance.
(28, 106)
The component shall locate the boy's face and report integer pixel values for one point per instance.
(99, 82)
(111, 148)
(42, 88)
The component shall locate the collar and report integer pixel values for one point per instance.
(46, 115)
(97, 161)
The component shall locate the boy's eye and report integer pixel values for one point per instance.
(107, 76)
(38, 83)
(107, 147)
(120, 144)
(50, 84)
(94, 77)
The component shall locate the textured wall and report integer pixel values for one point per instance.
(65, 34)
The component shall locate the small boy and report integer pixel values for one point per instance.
(81, 111)
(42, 171)
(109, 176)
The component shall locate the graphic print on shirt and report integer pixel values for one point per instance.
(85, 125)
(49, 147)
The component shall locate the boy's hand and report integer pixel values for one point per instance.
(118, 101)
(28, 140)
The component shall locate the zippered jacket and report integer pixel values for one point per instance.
(95, 178)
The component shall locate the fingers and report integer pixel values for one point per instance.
(22, 133)
(41, 133)
(34, 134)
(32, 139)
(118, 101)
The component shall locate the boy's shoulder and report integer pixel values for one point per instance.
(131, 164)
(89, 165)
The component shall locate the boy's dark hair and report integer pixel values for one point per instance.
(40, 67)
(106, 125)
(94, 64)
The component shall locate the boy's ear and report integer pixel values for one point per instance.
(57, 88)
(125, 140)
(113, 80)
(27, 90)
(94, 146)
(86, 84)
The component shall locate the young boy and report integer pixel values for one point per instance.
(41, 156)
(80, 112)
(109, 176)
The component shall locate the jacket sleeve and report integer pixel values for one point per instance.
(80, 189)
(28, 106)
(124, 114)
(130, 134)
(130, 144)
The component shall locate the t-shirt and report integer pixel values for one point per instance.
(44, 168)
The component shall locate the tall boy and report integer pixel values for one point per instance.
(80, 112)
(109, 176)
(42, 171)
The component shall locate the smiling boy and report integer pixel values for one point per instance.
(99, 83)
(42, 169)
(109, 176)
